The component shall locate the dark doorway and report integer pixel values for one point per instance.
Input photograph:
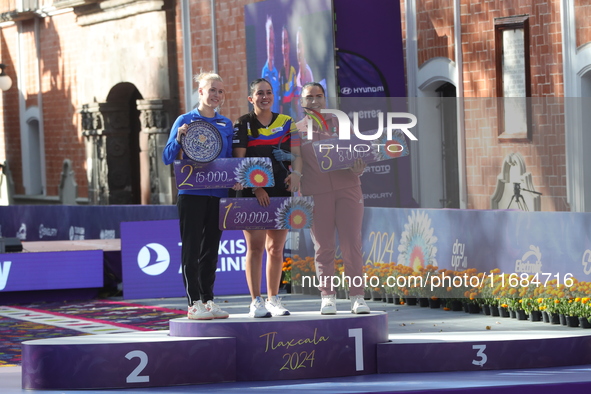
(123, 145)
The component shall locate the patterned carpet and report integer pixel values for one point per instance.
(68, 319)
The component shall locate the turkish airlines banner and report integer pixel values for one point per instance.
(151, 261)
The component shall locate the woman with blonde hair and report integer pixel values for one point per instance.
(199, 209)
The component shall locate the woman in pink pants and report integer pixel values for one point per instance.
(338, 208)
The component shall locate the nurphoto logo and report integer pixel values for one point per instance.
(345, 124)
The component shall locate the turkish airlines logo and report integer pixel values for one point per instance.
(153, 259)
(4, 270)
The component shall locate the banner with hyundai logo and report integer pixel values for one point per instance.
(366, 70)
(151, 261)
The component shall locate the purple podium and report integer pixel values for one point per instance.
(476, 351)
(300, 346)
(303, 345)
(143, 359)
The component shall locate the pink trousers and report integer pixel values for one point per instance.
(341, 212)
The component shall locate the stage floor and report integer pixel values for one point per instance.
(406, 324)
(107, 245)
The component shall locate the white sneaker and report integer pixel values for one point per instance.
(329, 305)
(199, 311)
(358, 305)
(257, 308)
(274, 306)
(216, 311)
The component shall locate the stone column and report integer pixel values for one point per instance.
(156, 177)
(96, 154)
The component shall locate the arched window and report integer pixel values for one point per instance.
(33, 153)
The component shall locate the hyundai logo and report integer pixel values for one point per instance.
(346, 90)
(153, 259)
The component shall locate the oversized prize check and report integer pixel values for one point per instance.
(335, 154)
(224, 173)
(283, 213)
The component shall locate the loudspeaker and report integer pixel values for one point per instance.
(10, 245)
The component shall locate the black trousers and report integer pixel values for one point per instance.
(200, 235)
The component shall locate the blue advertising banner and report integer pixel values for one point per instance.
(69, 222)
(513, 241)
(486, 253)
(51, 270)
(151, 261)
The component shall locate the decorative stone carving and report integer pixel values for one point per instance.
(110, 10)
(96, 170)
(68, 188)
(515, 188)
(106, 128)
(156, 126)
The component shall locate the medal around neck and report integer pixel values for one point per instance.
(203, 142)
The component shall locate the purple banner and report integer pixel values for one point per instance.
(367, 70)
(151, 261)
(553, 247)
(75, 222)
(334, 154)
(51, 270)
(283, 213)
(224, 173)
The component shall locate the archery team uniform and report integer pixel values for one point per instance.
(338, 207)
(260, 141)
(272, 76)
(288, 91)
(199, 214)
